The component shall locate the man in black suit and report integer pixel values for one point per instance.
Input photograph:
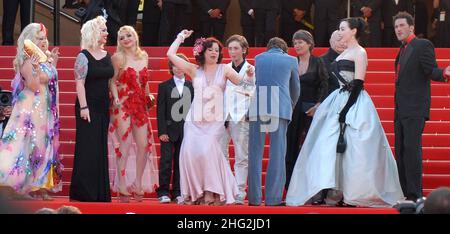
(248, 21)
(370, 10)
(10, 8)
(266, 12)
(174, 99)
(295, 15)
(213, 17)
(388, 10)
(336, 48)
(327, 14)
(151, 18)
(415, 66)
(175, 16)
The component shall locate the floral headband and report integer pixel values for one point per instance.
(198, 46)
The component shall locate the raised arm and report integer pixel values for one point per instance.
(31, 71)
(180, 63)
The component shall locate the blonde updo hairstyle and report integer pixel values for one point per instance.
(29, 32)
(91, 33)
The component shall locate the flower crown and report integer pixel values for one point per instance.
(198, 46)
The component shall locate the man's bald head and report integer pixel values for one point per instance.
(336, 44)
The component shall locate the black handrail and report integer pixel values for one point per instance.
(56, 23)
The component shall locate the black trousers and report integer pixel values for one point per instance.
(150, 32)
(170, 154)
(408, 152)
(249, 34)
(212, 28)
(174, 18)
(129, 14)
(323, 31)
(10, 8)
(265, 26)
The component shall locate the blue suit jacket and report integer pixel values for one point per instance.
(275, 69)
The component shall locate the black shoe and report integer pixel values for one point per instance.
(250, 204)
(341, 203)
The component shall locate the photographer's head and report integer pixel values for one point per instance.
(438, 201)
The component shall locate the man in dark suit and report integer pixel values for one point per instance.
(336, 48)
(295, 15)
(175, 16)
(10, 8)
(213, 17)
(415, 66)
(174, 99)
(370, 10)
(150, 22)
(388, 10)
(266, 12)
(327, 14)
(248, 21)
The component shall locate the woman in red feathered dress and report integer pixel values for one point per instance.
(132, 148)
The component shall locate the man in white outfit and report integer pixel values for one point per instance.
(237, 102)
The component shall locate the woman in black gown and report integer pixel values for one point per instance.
(314, 89)
(93, 70)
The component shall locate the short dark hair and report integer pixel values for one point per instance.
(171, 64)
(241, 40)
(404, 15)
(304, 36)
(277, 42)
(438, 201)
(200, 58)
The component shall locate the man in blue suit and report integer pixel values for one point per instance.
(277, 92)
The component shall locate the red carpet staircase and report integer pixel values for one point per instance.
(379, 84)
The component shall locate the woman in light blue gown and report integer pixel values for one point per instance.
(365, 174)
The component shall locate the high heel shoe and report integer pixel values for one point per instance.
(138, 197)
(124, 198)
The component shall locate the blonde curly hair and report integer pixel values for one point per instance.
(90, 33)
(29, 32)
(139, 53)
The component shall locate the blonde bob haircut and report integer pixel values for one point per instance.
(90, 33)
(138, 52)
(29, 32)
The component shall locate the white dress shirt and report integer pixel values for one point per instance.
(179, 82)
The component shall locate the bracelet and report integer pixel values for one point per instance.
(182, 37)
(84, 108)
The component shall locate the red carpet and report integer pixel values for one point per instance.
(152, 206)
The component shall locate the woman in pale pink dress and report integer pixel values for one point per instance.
(205, 174)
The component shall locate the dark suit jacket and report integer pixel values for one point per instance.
(246, 5)
(165, 102)
(206, 5)
(412, 88)
(327, 59)
(288, 6)
(390, 9)
(328, 9)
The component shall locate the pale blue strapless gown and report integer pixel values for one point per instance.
(365, 174)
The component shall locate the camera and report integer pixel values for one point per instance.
(5, 98)
(410, 207)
